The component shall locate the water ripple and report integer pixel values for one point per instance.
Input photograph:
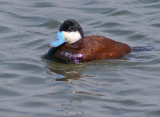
(123, 87)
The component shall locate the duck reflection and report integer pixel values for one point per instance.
(66, 72)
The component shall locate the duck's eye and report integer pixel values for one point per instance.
(57, 39)
(69, 29)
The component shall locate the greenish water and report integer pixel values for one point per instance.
(33, 87)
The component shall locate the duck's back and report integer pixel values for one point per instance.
(97, 47)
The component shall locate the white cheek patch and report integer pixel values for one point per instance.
(71, 37)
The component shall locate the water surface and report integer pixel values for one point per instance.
(33, 87)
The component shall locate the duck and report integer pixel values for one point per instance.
(71, 46)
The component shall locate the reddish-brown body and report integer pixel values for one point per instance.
(90, 48)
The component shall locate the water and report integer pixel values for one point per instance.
(33, 87)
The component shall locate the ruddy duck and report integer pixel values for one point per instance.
(71, 46)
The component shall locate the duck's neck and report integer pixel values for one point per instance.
(77, 45)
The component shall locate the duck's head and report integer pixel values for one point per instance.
(69, 32)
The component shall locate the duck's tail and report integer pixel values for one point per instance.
(142, 48)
